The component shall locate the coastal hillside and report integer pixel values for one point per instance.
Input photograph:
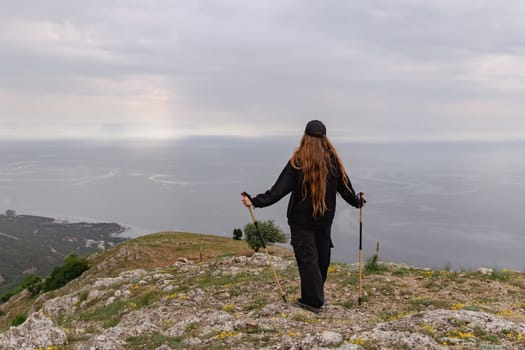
(189, 291)
(34, 245)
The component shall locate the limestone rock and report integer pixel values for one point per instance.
(36, 332)
(56, 307)
(329, 338)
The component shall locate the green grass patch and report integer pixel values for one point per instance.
(402, 271)
(19, 319)
(374, 266)
(191, 327)
(153, 341)
(82, 296)
(145, 299)
(350, 280)
(256, 304)
(392, 316)
(108, 313)
(349, 304)
(423, 303)
(110, 323)
(502, 276)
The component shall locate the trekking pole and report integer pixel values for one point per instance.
(360, 251)
(283, 295)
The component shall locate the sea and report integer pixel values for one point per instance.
(439, 204)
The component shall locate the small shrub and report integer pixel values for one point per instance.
(237, 234)
(32, 283)
(373, 265)
(269, 230)
(73, 267)
(7, 295)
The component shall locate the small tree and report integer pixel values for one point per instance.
(269, 230)
(237, 234)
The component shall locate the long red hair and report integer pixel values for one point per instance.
(314, 158)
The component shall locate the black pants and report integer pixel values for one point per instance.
(312, 252)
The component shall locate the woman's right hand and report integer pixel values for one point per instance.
(362, 198)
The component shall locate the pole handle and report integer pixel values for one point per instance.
(255, 222)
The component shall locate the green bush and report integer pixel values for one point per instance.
(237, 234)
(269, 230)
(7, 295)
(31, 282)
(73, 267)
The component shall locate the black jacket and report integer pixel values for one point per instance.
(300, 210)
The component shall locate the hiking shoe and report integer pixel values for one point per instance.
(302, 305)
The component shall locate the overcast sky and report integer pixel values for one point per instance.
(375, 70)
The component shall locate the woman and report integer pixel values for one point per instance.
(314, 175)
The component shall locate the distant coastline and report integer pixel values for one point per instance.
(128, 231)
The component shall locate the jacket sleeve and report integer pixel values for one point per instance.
(284, 185)
(348, 194)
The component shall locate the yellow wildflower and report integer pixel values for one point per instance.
(428, 328)
(505, 313)
(459, 334)
(225, 334)
(171, 296)
(459, 306)
(228, 307)
(358, 341)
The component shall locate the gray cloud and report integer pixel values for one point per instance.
(385, 69)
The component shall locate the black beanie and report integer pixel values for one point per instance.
(315, 128)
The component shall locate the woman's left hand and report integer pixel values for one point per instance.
(246, 201)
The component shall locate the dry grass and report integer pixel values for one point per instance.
(164, 248)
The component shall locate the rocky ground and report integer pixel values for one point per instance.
(233, 302)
